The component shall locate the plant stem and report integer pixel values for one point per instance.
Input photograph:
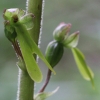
(25, 88)
(35, 7)
(26, 85)
(46, 81)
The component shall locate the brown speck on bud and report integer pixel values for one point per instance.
(15, 18)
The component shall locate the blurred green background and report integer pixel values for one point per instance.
(84, 15)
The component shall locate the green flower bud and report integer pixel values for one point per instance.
(17, 16)
(61, 31)
(27, 20)
(54, 52)
(72, 40)
(10, 32)
(21, 13)
(9, 13)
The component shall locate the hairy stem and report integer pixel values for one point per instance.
(25, 88)
(35, 7)
(26, 85)
(46, 81)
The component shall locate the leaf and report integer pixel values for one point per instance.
(29, 60)
(72, 40)
(82, 66)
(28, 48)
(44, 95)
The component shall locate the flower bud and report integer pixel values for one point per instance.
(27, 20)
(72, 40)
(10, 33)
(9, 13)
(54, 52)
(15, 15)
(61, 31)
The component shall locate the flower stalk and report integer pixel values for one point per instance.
(46, 81)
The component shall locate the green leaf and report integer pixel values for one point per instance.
(28, 48)
(44, 95)
(82, 66)
(72, 40)
(29, 60)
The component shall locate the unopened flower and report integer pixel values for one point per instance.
(61, 31)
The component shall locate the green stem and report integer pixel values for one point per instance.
(26, 85)
(25, 88)
(35, 7)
